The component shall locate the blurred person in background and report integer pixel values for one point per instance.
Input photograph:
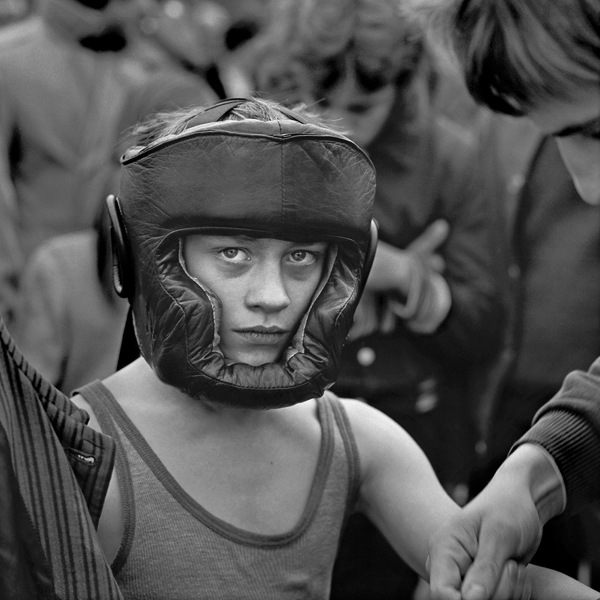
(70, 82)
(69, 322)
(432, 313)
(199, 35)
(13, 10)
(554, 325)
(191, 35)
(248, 18)
(538, 60)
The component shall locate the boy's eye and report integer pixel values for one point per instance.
(234, 254)
(302, 256)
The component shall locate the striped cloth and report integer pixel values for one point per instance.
(54, 475)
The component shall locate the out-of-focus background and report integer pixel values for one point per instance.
(486, 285)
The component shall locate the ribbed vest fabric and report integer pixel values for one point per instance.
(173, 548)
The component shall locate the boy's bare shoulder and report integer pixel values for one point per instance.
(124, 385)
(374, 431)
(81, 402)
(368, 421)
(359, 410)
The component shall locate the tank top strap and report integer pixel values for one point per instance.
(335, 406)
(110, 414)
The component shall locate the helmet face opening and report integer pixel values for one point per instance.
(296, 342)
(282, 180)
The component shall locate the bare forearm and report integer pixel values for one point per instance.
(552, 585)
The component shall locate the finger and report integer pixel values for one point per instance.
(446, 566)
(523, 587)
(514, 583)
(484, 574)
(433, 236)
(507, 584)
(436, 262)
(527, 590)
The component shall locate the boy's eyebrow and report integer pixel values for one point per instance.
(586, 128)
(238, 239)
(248, 239)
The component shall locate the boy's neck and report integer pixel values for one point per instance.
(138, 386)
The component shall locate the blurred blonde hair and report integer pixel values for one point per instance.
(310, 44)
(517, 54)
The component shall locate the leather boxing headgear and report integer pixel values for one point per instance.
(284, 179)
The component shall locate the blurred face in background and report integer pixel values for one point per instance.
(96, 16)
(576, 125)
(359, 112)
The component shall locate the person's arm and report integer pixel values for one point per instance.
(399, 490)
(548, 584)
(401, 495)
(418, 293)
(503, 522)
(568, 427)
(506, 519)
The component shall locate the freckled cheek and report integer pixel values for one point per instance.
(231, 301)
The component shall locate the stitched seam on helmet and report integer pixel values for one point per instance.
(350, 296)
(297, 343)
(211, 298)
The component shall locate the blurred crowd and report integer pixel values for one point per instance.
(476, 308)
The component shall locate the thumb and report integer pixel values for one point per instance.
(483, 575)
(432, 238)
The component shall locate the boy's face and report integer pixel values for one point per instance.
(264, 285)
(576, 125)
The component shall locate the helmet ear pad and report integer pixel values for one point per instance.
(122, 263)
(370, 255)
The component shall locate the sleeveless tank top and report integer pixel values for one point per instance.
(174, 549)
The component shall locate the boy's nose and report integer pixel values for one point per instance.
(268, 291)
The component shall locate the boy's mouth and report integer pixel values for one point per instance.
(262, 334)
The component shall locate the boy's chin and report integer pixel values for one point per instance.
(254, 358)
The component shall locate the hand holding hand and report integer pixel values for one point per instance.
(467, 557)
(477, 546)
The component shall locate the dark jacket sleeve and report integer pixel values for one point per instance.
(569, 428)
(54, 474)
